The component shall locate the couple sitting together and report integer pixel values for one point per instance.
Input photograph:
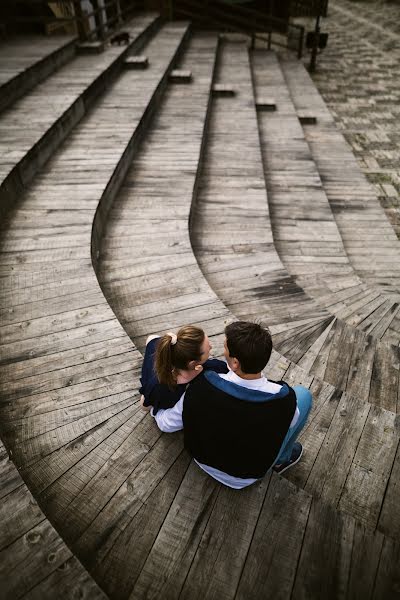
(237, 424)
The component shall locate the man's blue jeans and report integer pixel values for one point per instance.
(304, 404)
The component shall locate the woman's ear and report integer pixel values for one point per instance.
(194, 365)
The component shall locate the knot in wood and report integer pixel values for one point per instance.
(33, 537)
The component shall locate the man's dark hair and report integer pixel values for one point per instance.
(250, 344)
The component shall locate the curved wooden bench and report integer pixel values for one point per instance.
(368, 237)
(27, 60)
(35, 126)
(69, 374)
(232, 238)
(305, 230)
(152, 280)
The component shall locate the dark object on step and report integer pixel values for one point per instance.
(120, 38)
(321, 40)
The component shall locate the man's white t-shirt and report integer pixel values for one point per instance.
(170, 419)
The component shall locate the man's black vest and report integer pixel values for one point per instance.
(235, 429)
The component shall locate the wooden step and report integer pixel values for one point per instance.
(126, 498)
(305, 231)
(81, 361)
(26, 61)
(56, 113)
(359, 215)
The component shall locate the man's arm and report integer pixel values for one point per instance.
(170, 419)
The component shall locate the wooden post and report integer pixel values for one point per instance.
(99, 20)
(119, 13)
(314, 50)
(301, 42)
(79, 20)
(170, 10)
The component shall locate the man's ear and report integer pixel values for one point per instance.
(235, 365)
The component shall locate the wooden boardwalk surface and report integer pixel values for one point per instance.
(69, 374)
(35, 563)
(34, 126)
(140, 516)
(174, 292)
(233, 243)
(306, 233)
(20, 53)
(26, 60)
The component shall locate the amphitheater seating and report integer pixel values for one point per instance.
(25, 61)
(305, 230)
(144, 520)
(37, 124)
(368, 237)
(153, 302)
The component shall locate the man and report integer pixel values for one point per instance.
(238, 425)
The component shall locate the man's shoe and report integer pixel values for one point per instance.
(295, 457)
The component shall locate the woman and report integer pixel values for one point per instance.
(171, 362)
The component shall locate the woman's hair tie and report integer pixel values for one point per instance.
(173, 337)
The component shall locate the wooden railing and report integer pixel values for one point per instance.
(309, 8)
(226, 17)
(95, 22)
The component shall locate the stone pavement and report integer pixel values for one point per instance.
(358, 75)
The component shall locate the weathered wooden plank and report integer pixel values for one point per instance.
(385, 382)
(389, 519)
(9, 477)
(365, 557)
(89, 502)
(66, 470)
(32, 450)
(361, 366)
(116, 510)
(325, 402)
(223, 547)
(338, 450)
(309, 358)
(68, 581)
(178, 538)
(325, 559)
(388, 575)
(277, 541)
(371, 468)
(137, 538)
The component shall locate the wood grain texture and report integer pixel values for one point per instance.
(32, 554)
